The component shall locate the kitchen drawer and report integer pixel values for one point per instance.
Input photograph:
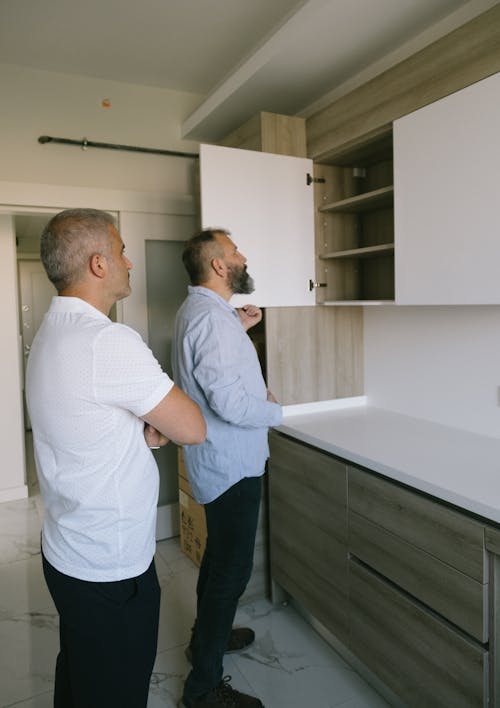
(450, 536)
(422, 658)
(456, 596)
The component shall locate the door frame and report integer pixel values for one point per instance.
(142, 216)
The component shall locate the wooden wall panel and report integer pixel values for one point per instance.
(466, 55)
(270, 132)
(314, 353)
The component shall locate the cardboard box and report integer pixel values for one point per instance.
(193, 526)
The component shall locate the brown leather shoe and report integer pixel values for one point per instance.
(223, 696)
(240, 638)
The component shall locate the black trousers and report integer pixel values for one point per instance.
(108, 636)
(224, 573)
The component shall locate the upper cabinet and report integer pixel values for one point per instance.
(355, 223)
(447, 189)
(265, 201)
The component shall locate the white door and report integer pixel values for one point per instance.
(36, 292)
(266, 203)
(12, 471)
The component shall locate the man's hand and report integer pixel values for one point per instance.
(270, 396)
(153, 437)
(250, 315)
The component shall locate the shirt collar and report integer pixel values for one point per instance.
(207, 292)
(63, 303)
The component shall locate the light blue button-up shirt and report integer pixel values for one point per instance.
(216, 364)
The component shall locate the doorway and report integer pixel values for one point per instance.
(166, 283)
(35, 293)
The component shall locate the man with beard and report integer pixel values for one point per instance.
(215, 363)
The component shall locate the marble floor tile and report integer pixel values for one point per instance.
(23, 588)
(178, 601)
(19, 530)
(170, 669)
(43, 700)
(289, 665)
(27, 667)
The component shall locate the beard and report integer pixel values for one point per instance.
(240, 282)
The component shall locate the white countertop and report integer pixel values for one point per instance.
(453, 465)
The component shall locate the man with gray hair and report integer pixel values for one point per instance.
(98, 399)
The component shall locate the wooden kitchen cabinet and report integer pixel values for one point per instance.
(407, 584)
(308, 530)
(354, 227)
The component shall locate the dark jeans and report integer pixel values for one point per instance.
(108, 634)
(224, 573)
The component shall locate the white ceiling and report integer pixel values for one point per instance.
(241, 56)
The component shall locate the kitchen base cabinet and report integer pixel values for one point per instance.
(408, 585)
(419, 656)
(308, 530)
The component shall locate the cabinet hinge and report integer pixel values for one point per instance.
(313, 284)
(310, 179)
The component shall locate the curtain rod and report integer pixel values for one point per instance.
(84, 144)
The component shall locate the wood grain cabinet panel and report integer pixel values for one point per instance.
(419, 656)
(308, 530)
(444, 533)
(454, 595)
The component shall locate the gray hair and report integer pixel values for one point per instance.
(69, 240)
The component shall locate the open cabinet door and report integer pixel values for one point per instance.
(265, 202)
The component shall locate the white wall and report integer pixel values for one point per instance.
(437, 363)
(34, 103)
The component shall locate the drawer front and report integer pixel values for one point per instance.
(450, 536)
(451, 593)
(420, 657)
(492, 539)
(310, 483)
(308, 530)
(322, 594)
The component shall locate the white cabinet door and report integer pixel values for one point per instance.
(266, 203)
(447, 197)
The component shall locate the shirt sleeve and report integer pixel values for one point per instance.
(126, 373)
(217, 370)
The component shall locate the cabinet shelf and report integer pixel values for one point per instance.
(364, 252)
(355, 225)
(368, 201)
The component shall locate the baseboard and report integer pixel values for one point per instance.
(14, 493)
